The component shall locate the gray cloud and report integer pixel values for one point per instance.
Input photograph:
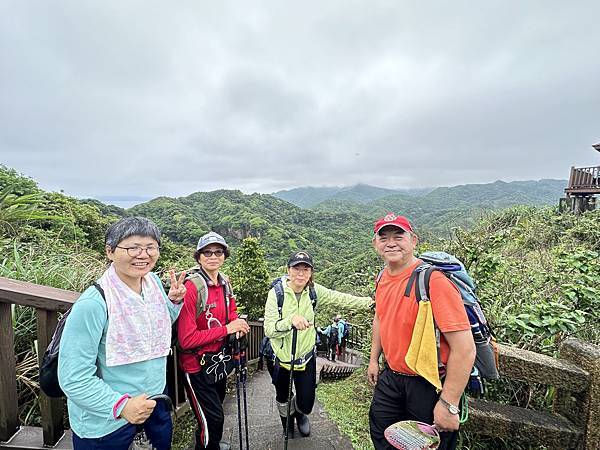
(143, 98)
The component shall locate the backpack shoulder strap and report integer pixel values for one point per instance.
(99, 288)
(278, 286)
(228, 287)
(423, 282)
(227, 293)
(312, 293)
(378, 278)
(202, 291)
(413, 281)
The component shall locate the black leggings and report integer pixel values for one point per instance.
(305, 383)
(402, 397)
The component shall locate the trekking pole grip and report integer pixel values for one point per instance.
(294, 338)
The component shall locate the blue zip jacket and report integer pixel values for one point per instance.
(92, 388)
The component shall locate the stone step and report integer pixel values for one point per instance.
(32, 438)
(522, 425)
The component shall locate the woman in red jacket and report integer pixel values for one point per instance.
(207, 321)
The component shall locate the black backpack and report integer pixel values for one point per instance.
(277, 284)
(266, 349)
(49, 368)
(333, 334)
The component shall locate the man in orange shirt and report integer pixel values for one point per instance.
(400, 393)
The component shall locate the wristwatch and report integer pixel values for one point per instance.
(452, 408)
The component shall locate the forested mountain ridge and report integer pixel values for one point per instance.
(496, 194)
(308, 197)
(436, 212)
(281, 226)
(336, 230)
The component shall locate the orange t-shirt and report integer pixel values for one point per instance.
(397, 314)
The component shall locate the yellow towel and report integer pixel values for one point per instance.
(422, 356)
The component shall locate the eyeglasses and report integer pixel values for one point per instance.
(137, 251)
(209, 253)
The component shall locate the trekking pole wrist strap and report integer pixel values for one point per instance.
(119, 405)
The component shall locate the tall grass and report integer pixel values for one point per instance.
(51, 263)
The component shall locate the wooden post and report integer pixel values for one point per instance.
(51, 409)
(571, 178)
(9, 414)
(586, 356)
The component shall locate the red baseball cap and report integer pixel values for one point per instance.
(393, 220)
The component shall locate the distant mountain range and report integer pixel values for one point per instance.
(307, 197)
(494, 195)
(337, 223)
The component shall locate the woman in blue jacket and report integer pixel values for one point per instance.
(113, 349)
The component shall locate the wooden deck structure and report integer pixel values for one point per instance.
(584, 181)
(584, 185)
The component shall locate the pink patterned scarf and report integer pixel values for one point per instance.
(139, 326)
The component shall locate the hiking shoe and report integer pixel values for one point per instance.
(303, 424)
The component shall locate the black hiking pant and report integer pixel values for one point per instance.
(403, 397)
(332, 343)
(305, 384)
(206, 400)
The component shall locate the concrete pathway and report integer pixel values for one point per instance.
(265, 430)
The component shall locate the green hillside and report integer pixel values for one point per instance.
(494, 195)
(281, 226)
(438, 211)
(307, 197)
(338, 228)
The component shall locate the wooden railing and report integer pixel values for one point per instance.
(357, 337)
(584, 181)
(48, 303)
(257, 332)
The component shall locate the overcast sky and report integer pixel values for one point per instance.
(143, 98)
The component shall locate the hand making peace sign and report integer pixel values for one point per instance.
(177, 290)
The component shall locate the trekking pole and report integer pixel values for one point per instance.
(236, 356)
(244, 370)
(287, 418)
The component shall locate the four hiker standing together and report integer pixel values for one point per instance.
(115, 341)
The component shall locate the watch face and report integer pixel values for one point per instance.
(453, 409)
